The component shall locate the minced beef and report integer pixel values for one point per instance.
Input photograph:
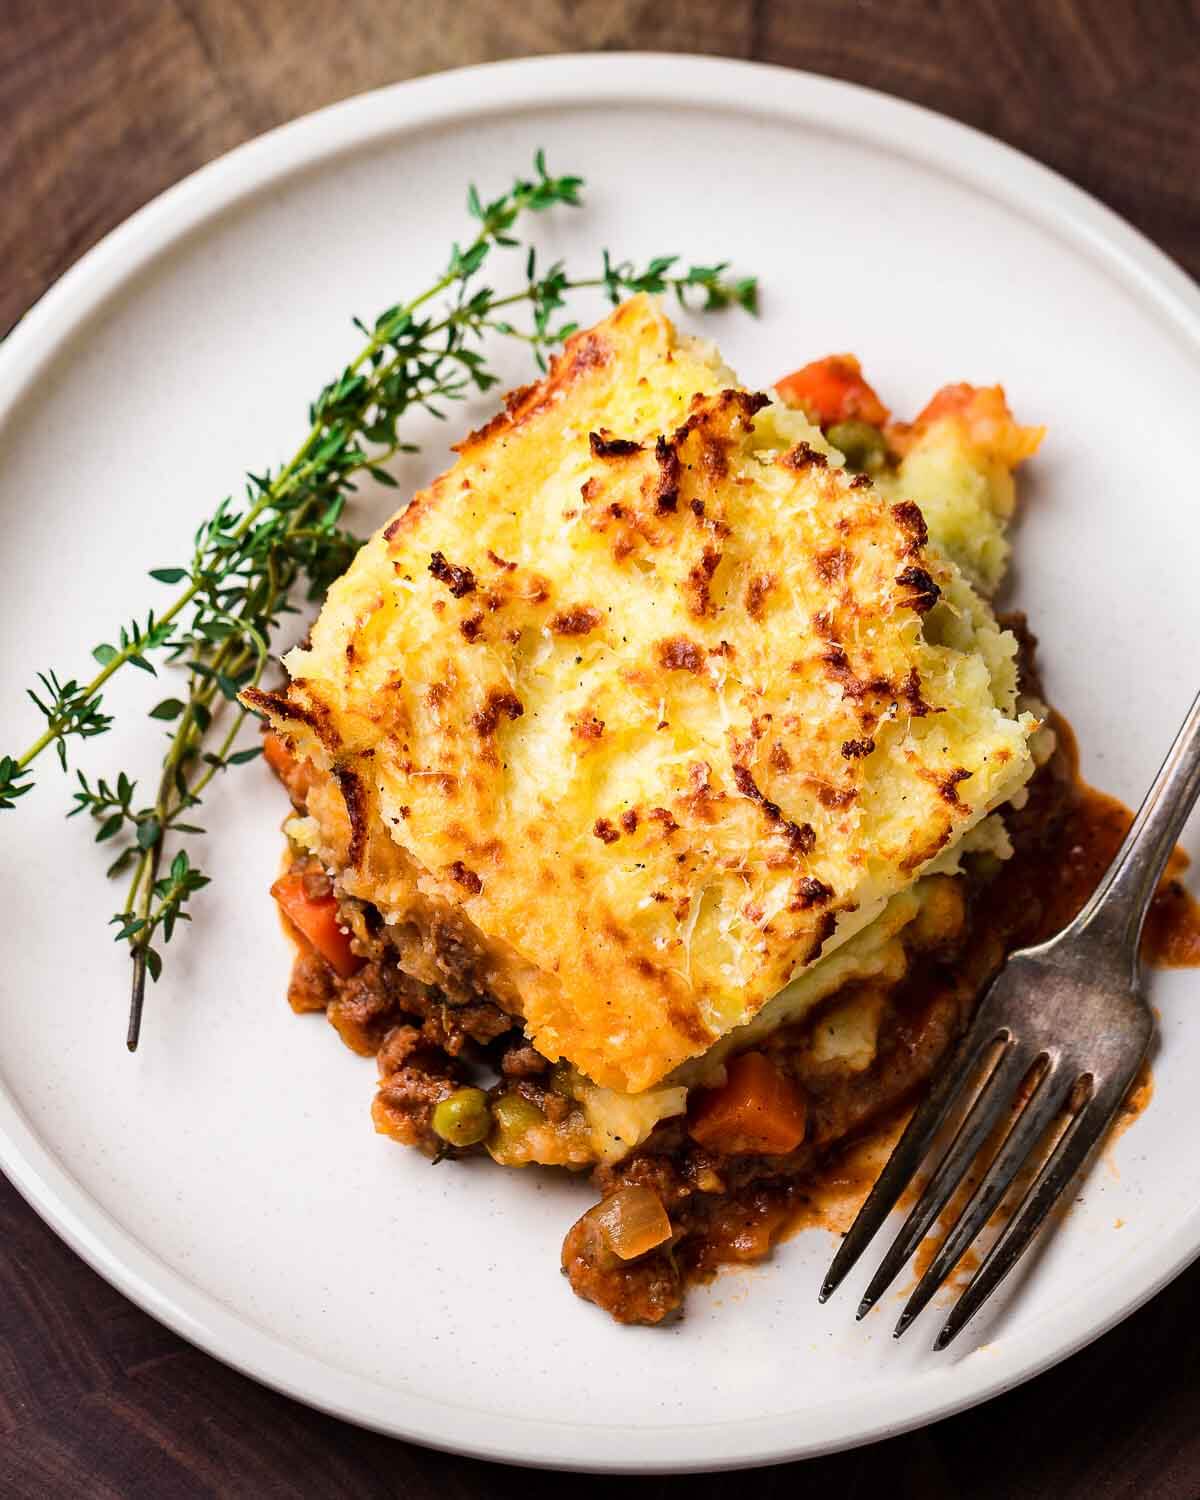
(364, 1008)
(646, 1290)
(520, 1060)
(413, 1078)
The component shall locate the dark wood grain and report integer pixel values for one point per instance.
(102, 106)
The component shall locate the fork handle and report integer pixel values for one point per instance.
(1113, 916)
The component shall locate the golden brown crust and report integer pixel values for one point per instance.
(640, 692)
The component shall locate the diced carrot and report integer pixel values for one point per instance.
(278, 755)
(983, 412)
(952, 400)
(833, 390)
(295, 774)
(757, 1110)
(316, 919)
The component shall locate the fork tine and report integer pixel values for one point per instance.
(994, 1097)
(911, 1147)
(1035, 1118)
(1068, 1156)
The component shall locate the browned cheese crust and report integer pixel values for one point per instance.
(637, 699)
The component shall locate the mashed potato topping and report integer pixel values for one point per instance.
(655, 705)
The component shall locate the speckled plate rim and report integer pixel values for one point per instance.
(114, 265)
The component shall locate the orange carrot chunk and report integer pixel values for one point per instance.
(981, 414)
(955, 400)
(278, 755)
(833, 390)
(989, 425)
(756, 1111)
(316, 919)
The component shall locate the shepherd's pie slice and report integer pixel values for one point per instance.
(644, 705)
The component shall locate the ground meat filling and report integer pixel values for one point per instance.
(414, 1076)
(432, 1040)
(643, 1291)
(427, 1038)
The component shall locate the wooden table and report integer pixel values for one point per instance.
(105, 104)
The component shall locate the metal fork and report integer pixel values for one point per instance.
(1066, 1021)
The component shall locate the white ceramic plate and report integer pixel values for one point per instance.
(227, 1177)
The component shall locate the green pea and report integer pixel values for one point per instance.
(515, 1114)
(861, 445)
(515, 1118)
(463, 1118)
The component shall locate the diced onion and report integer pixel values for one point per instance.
(632, 1221)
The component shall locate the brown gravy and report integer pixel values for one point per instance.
(1094, 827)
(1071, 833)
(1034, 897)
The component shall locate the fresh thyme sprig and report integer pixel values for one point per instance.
(249, 557)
